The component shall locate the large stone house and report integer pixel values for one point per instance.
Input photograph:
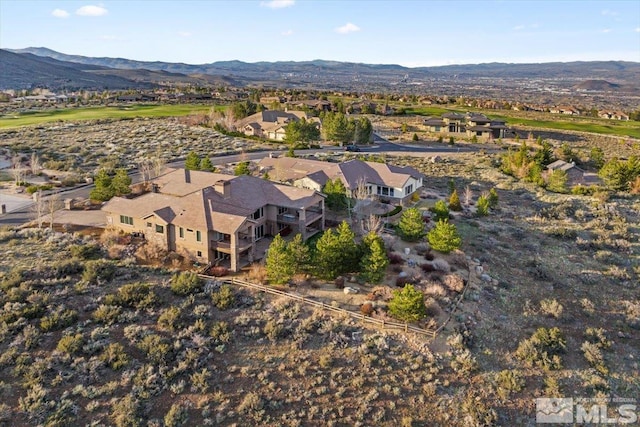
(216, 218)
(469, 125)
(386, 182)
(271, 124)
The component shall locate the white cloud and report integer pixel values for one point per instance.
(60, 13)
(287, 33)
(637, 30)
(277, 4)
(518, 27)
(608, 12)
(185, 34)
(108, 37)
(92, 10)
(347, 28)
(606, 30)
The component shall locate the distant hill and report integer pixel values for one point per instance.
(24, 71)
(598, 85)
(114, 73)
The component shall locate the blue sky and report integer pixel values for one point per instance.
(410, 33)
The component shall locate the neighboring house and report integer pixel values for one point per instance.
(216, 218)
(470, 124)
(271, 124)
(565, 109)
(614, 115)
(386, 182)
(575, 175)
(314, 104)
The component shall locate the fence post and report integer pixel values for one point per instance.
(406, 327)
(382, 324)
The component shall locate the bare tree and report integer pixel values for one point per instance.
(35, 164)
(371, 223)
(144, 166)
(18, 173)
(53, 204)
(468, 196)
(158, 165)
(38, 208)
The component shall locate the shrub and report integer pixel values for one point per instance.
(482, 206)
(176, 416)
(598, 337)
(407, 304)
(95, 271)
(542, 349)
(156, 348)
(453, 282)
(395, 258)
(125, 412)
(464, 363)
(107, 314)
(58, 320)
(427, 267)
(114, 356)
(444, 237)
(218, 271)
(133, 295)
(186, 283)
(200, 380)
(440, 210)
(366, 308)
(85, 251)
(551, 307)
(169, 319)
(509, 381)
(594, 356)
(224, 297)
(70, 344)
(220, 332)
(454, 202)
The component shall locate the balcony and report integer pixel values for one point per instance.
(221, 245)
(289, 218)
(312, 215)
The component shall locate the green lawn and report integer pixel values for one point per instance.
(94, 113)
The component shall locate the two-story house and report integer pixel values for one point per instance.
(217, 218)
(384, 181)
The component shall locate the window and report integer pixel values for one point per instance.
(189, 230)
(159, 229)
(258, 214)
(181, 233)
(408, 189)
(282, 209)
(148, 225)
(199, 254)
(259, 232)
(198, 236)
(126, 220)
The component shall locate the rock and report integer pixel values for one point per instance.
(479, 270)
(485, 278)
(350, 290)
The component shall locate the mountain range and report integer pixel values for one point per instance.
(42, 67)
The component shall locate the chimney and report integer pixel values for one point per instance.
(224, 188)
(187, 176)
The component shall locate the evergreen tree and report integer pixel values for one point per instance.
(557, 181)
(618, 174)
(348, 248)
(300, 253)
(374, 261)
(444, 237)
(440, 210)
(242, 169)
(482, 206)
(327, 256)
(206, 165)
(103, 190)
(192, 162)
(411, 225)
(407, 304)
(121, 183)
(596, 156)
(493, 198)
(280, 263)
(544, 156)
(454, 202)
(336, 194)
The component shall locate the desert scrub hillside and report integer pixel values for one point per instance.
(86, 340)
(559, 311)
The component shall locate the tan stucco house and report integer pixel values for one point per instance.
(216, 218)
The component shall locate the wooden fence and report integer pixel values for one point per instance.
(382, 324)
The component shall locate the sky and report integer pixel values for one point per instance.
(410, 33)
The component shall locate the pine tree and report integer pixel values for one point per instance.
(374, 262)
(300, 253)
(242, 169)
(336, 194)
(440, 210)
(411, 225)
(103, 190)
(444, 237)
(121, 183)
(454, 202)
(280, 263)
(407, 304)
(327, 257)
(348, 248)
(482, 206)
(192, 162)
(493, 198)
(557, 181)
(206, 165)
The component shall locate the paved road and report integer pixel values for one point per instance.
(380, 145)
